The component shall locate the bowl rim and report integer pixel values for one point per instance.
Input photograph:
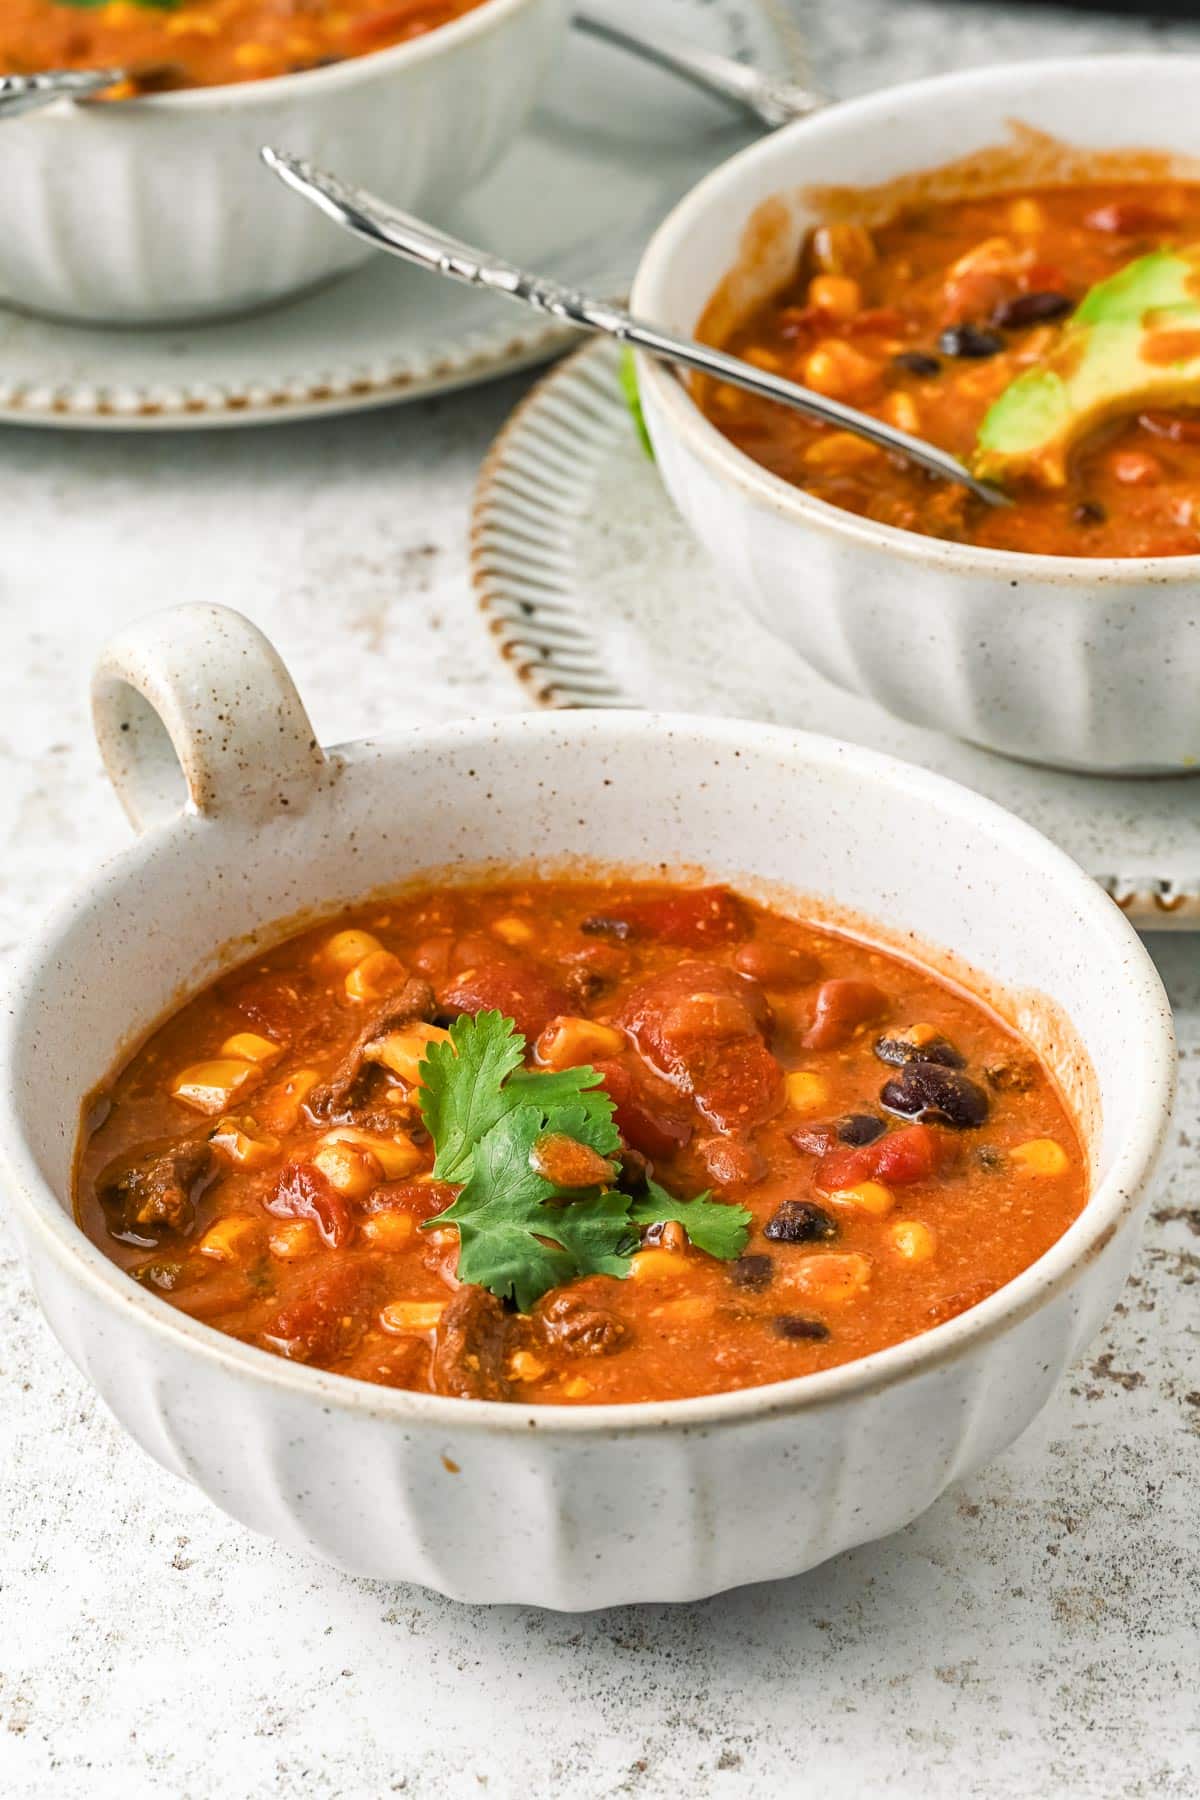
(1110, 1205)
(484, 15)
(734, 467)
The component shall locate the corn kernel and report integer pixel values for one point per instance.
(658, 1265)
(839, 370)
(806, 1092)
(248, 1046)
(524, 1366)
(843, 249)
(345, 948)
(402, 1052)
(764, 359)
(121, 12)
(576, 1388)
(353, 1172)
(375, 976)
(282, 1111)
(396, 1155)
(412, 1315)
(299, 1237)
(569, 1041)
(913, 1240)
(833, 1279)
(243, 1143)
(512, 930)
(191, 24)
(210, 1086)
(841, 450)
(901, 410)
(230, 1237)
(865, 1196)
(254, 56)
(838, 295)
(388, 1230)
(1041, 1156)
(1026, 216)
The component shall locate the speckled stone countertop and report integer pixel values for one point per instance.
(1035, 1633)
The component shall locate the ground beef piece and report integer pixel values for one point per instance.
(472, 1347)
(340, 1099)
(568, 1323)
(158, 1191)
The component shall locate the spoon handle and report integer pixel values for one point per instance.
(772, 102)
(389, 229)
(27, 93)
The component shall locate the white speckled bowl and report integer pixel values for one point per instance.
(560, 1506)
(158, 209)
(1085, 663)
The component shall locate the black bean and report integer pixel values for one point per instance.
(901, 1050)
(791, 1325)
(1089, 512)
(860, 1128)
(935, 1095)
(917, 362)
(1030, 309)
(752, 1272)
(600, 925)
(970, 340)
(800, 1222)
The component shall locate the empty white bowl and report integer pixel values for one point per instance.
(557, 1505)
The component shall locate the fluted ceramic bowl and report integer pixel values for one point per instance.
(1083, 662)
(556, 1505)
(158, 209)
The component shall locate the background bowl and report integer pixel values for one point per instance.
(1087, 663)
(559, 1506)
(158, 210)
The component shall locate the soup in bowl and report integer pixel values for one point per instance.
(1001, 262)
(503, 1149)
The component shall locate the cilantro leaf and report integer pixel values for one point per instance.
(460, 1095)
(518, 1234)
(470, 1083)
(715, 1226)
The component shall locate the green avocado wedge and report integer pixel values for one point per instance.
(1133, 341)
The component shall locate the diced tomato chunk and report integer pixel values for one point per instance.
(330, 1315)
(699, 1026)
(302, 1192)
(841, 1006)
(693, 919)
(648, 1116)
(516, 989)
(912, 1154)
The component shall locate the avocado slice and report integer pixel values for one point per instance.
(1133, 341)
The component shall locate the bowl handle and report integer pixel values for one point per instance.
(193, 708)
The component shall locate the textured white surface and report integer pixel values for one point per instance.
(1034, 1634)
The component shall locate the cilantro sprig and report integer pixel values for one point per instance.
(520, 1234)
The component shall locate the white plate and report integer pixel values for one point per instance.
(598, 596)
(613, 147)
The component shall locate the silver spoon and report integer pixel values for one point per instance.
(770, 101)
(386, 228)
